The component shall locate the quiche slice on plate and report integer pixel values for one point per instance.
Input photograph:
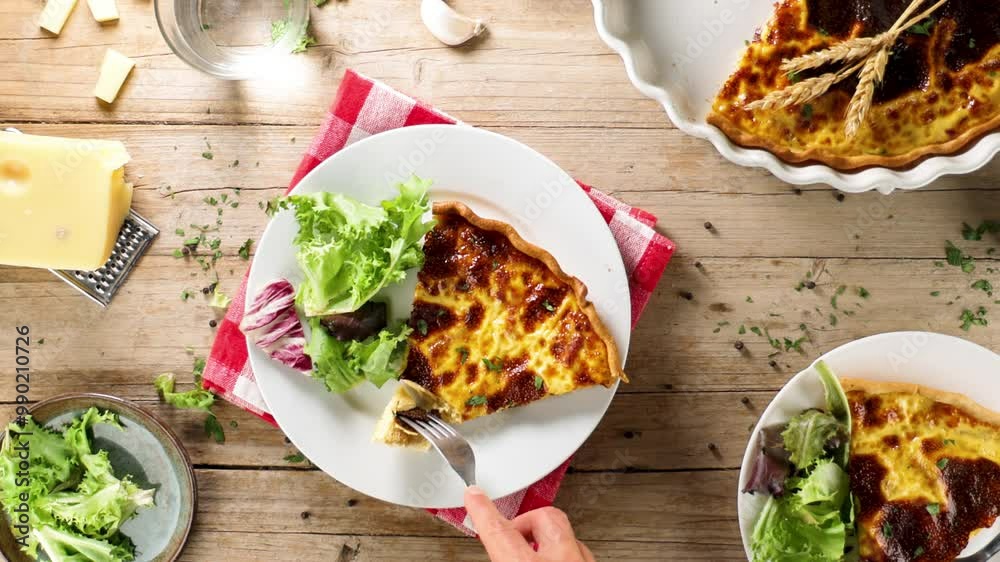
(496, 324)
(924, 470)
(941, 89)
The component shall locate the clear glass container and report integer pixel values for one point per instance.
(233, 39)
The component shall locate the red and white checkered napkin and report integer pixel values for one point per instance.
(365, 107)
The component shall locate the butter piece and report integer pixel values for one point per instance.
(114, 70)
(103, 10)
(55, 14)
(62, 201)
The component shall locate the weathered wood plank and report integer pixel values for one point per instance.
(308, 547)
(636, 163)
(650, 431)
(702, 512)
(675, 346)
(539, 65)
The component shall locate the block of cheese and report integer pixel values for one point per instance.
(114, 70)
(62, 201)
(103, 10)
(54, 15)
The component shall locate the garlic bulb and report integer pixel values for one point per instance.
(447, 25)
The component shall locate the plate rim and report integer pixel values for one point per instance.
(773, 404)
(173, 441)
(970, 158)
(592, 209)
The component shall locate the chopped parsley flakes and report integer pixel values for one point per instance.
(494, 365)
(970, 319)
(245, 249)
(956, 257)
(984, 286)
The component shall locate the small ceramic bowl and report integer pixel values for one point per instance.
(148, 451)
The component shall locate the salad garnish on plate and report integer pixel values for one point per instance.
(802, 468)
(348, 252)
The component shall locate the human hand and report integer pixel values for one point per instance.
(511, 541)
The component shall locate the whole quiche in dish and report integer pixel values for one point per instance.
(940, 90)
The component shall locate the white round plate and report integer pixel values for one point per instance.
(933, 360)
(680, 53)
(498, 178)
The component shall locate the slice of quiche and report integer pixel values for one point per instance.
(496, 324)
(941, 89)
(924, 468)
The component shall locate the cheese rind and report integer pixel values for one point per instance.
(103, 10)
(62, 201)
(114, 70)
(55, 14)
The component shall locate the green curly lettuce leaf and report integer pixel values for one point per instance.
(782, 534)
(808, 436)
(198, 398)
(350, 251)
(76, 435)
(61, 545)
(63, 497)
(344, 365)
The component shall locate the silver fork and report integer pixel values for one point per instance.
(452, 446)
(985, 554)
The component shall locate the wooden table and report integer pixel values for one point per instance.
(657, 480)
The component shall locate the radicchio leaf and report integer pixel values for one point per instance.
(274, 326)
(771, 467)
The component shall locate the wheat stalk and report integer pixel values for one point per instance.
(872, 74)
(803, 91)
(872, 56)
(847, 51)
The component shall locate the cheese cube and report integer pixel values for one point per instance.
(114, 70)
(103, 10)
(55, 14)
(62, 201)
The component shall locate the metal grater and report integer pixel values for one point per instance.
(135, 236)
(101, 285)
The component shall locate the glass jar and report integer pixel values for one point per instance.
(233, 39)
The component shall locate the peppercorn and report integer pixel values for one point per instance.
(212, 323)
(739, 345)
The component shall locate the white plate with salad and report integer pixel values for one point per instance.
(922, 358)
(498, 178)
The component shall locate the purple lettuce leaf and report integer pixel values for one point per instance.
(273, 325)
